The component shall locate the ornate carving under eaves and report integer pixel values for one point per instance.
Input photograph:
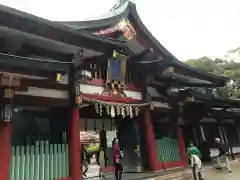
(78, 57)
(114, 90)
(124, 26)
(170, 69)
(115, 83)
(128, 30)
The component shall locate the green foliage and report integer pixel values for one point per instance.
(223, 68)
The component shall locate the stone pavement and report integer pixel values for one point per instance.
(212, 174)
(173, 174)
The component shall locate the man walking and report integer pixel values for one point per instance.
(223, 154)
(196, 163)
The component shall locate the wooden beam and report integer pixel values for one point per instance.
(25, 100)
(48, 84)
(26, 71)
(27, 50)
(36, 65)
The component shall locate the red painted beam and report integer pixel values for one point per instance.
(112, 98)
(101, 82)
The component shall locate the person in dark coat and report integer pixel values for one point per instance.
(223, 154)
(117, 160)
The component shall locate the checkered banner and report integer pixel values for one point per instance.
(116, 69)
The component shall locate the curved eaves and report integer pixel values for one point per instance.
(217, 80)
(214, 100)
(128, 10)
(27, 23)
(173, 78)
(106, 21)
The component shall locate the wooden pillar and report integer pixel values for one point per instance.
(202, 133)
(238, 132)
(220, 133)
(73, 131)
(5, 132)
(195, 135)
(181, 145)
(5, 149)
(178, 122)
(150, 141)
(227, 142)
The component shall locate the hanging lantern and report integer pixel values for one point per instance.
(79, 99)
(8, 93)
(81, 74)
(114, 54)
(7, 113)
(58, 77)
(173, 91)
(152, 106)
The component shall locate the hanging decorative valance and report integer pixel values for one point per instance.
(113, 108)
(116, 109)
(115, 84)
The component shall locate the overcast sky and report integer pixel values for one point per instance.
(187, 28)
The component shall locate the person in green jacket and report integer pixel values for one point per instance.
(196, 163)
(193, 150)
